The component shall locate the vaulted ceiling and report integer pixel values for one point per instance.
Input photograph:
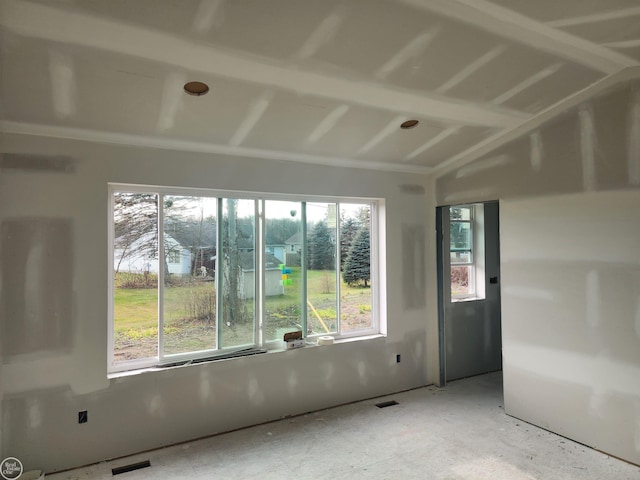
(314, 81)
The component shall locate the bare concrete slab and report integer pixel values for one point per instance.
(454, 433)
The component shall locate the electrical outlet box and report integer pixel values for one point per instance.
(398, 358)
(83, 416)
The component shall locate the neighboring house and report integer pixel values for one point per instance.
(136, 258)
(277, 251)
(293, 250)
(293, 244)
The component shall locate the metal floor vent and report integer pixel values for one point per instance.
(130, 468)
(390, 403)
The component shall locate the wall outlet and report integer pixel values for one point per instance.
(83, 416)
(398, 358)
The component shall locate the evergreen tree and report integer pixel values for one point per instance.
(349, 228)
(358, 264)
(321, 248)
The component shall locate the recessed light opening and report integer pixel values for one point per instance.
(390, 403)
(196, 88)
(409, 124)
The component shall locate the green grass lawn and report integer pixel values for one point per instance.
(189, 311)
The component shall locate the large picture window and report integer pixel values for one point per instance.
(200, 274)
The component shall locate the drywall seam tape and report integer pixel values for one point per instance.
(325, 341)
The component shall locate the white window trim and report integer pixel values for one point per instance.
(378, 286)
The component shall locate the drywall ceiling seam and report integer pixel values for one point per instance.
(595, 18)
(323, 33)
(623, 44)
(413, 49)
(47, 23)
(253, 116)
(327, 123)
(471, 68)
(207, 16)
(508, 24)
(432, 142)
(172, 100)
(634, 140)
(389, 128)
(163, 143)
(526, 83)
(501, 138)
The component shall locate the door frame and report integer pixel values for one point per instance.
(444, 289)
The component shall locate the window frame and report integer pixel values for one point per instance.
(473, 264)
(378, 319)
(471, 293)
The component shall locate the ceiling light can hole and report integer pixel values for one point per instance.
(409, 124)
(196, 88)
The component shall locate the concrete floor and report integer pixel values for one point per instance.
(457, 433)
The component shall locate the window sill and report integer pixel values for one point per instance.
(310, 343)
(466, 299)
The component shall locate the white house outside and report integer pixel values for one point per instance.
(135, 258)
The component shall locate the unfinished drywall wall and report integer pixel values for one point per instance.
(46, 384)
(593, 146)
(36, 278)
(571, 272)
(569, 233)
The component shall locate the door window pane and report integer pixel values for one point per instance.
(461, 213)
(461, 280)
(460, 236)
(460, 256)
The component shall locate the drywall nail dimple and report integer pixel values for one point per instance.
(528, 293)
(536, 151)
(587, 148)
(63, 84)
(637, 317)
(592, 303)
(634, 140)
(412, 189)
(361, 367)
(637, 434)
(35, 413)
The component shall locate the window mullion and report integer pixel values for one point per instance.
(218, 273)
(373, 262)
(303, 267)
(112, 274)
(161, 274)
(259, 278)
(338, 267)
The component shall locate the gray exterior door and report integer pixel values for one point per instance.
(471, 329)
